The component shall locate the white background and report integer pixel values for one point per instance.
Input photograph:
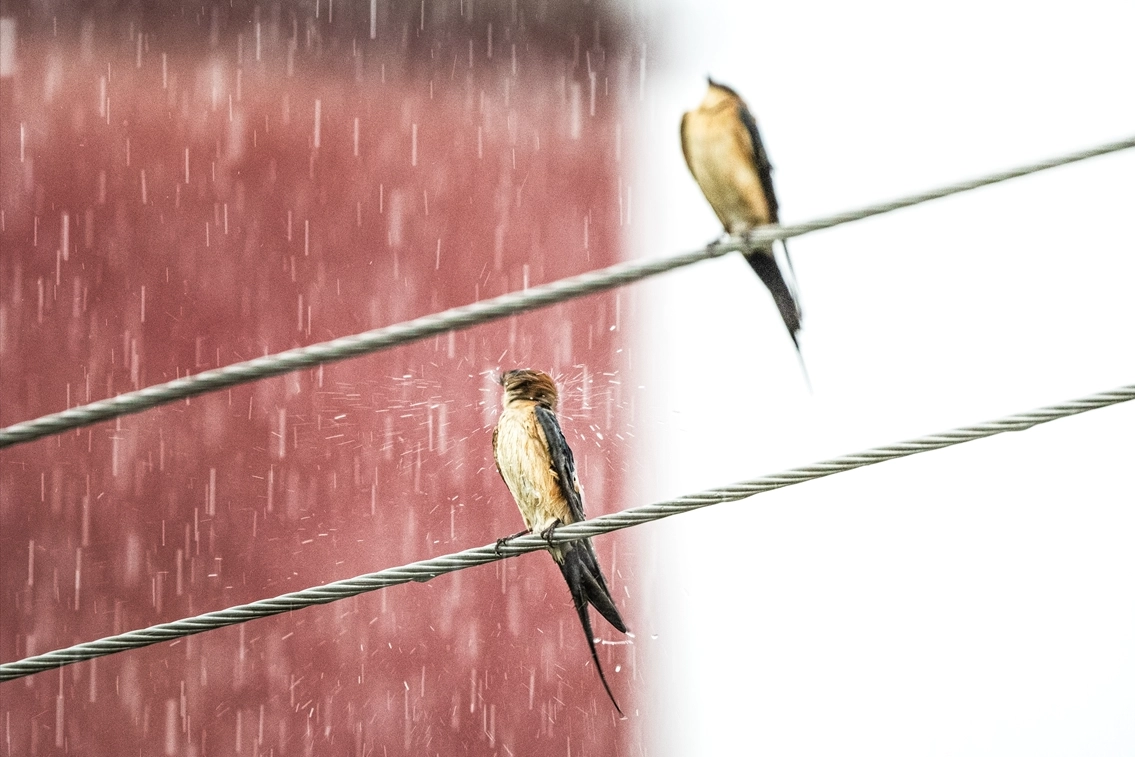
(978, 600)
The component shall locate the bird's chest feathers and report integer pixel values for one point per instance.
(522, 455)
(721, 160)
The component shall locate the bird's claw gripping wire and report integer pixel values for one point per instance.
(547, 532)
(718, 241)
(506, 539)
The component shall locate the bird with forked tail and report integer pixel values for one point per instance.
(725, 154)
(537, 465)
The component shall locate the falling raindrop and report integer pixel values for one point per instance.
(373, 461)
(318, 123)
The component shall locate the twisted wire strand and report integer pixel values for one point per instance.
(466, 316)
(424, 570)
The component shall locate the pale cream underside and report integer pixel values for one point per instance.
(522, 455)
(720, 156)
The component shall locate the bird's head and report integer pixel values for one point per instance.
(718, 93)
(527, 384)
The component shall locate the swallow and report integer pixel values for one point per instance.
(537, 466)
(725, 154)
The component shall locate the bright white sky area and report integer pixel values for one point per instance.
(974, 601)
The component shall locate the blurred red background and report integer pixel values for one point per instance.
(189, 188)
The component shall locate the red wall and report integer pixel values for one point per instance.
(277, 238)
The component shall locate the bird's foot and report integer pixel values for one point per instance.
(505, 540)
(725, 237)
(547, 532)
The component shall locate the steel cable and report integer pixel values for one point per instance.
(476, 313)
(424, 570)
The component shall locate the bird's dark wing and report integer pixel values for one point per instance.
(760, 160)
(563, 464)
(580, 566)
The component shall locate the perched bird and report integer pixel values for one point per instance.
(724, 152)
(536, 464)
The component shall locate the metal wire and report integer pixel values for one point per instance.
(480, 312)
(424, 570)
